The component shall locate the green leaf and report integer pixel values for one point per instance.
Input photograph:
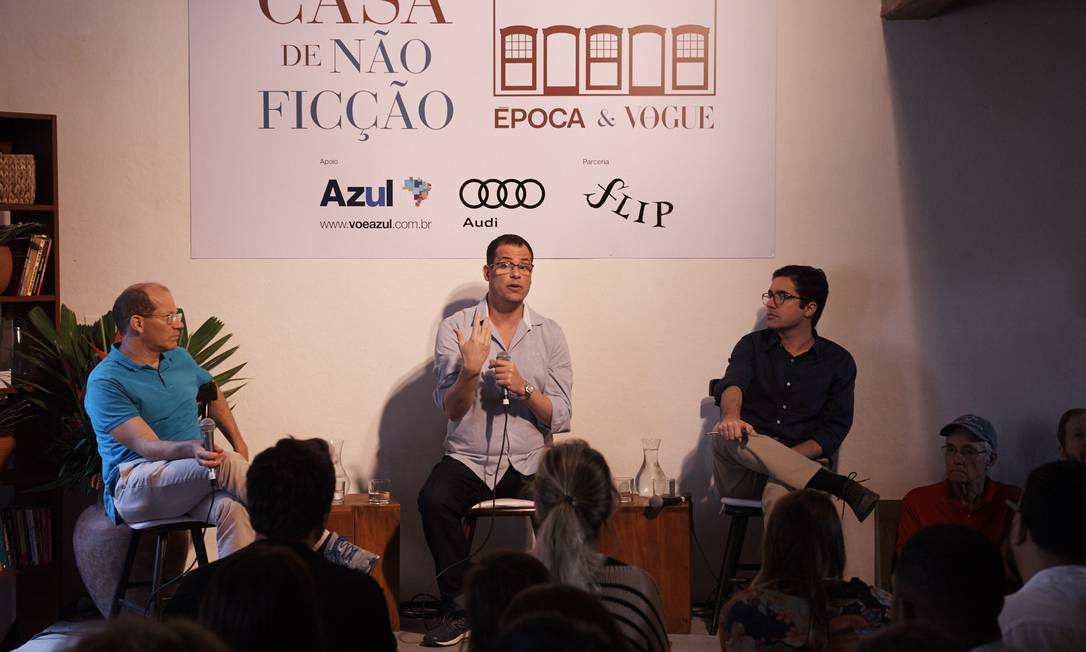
(226, 376)
(214, 362)
(204, 334)
(202, 355)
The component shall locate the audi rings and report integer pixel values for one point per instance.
(498, 193)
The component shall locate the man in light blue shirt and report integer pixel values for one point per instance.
(141, 401)
(495, 349)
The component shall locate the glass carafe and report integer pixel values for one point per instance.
(650, 468)
(335, 447)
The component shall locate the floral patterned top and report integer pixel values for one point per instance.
(760, 620)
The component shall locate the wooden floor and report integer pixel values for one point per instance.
(64, 634)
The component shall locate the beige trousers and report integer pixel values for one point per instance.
(759, 467)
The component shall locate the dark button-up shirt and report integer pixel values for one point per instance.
(793, 398)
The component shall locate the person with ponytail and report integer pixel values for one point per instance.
(798, 600)
(574, 496)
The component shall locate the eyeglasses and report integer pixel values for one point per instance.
(778, 297)
(506, 267)
(968, 452)
(170, 318)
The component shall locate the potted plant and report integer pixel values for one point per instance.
(8, 234)
(59, 361)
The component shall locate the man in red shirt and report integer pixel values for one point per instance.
(967, 496)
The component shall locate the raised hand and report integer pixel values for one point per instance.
(475, 348)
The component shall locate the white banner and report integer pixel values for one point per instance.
(424, 128)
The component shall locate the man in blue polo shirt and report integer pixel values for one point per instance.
(786, 401)
(142, 404)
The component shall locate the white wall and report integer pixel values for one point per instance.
(933, 168)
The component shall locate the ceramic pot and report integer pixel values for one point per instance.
(6, 267)
(100, 547)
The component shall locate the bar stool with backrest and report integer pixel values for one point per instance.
(499, 508)
(160, 529)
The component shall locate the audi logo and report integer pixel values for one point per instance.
(499, 193)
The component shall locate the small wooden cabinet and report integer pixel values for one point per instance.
(377, 529)
(660, 546)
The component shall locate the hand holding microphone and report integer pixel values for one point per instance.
(207, 428)
(503, 356)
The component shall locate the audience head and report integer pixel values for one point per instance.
(951, 576)
(574, 496)
(1071, 434)
(290, 489)
(909, 637)
(132, 634)
(561, 603)
(970, 448)
(1050, 526)
(811, 287)
(803, 545)
(491, 585)
(263, 598)
(550, 633)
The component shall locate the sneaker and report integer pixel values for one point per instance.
(451, 631)
(861, 499)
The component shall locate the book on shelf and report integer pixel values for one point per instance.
(27, 537)
(37, 257)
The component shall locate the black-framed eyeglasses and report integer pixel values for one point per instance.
(170, 318)
(968, 452)
(506, 267)
(778, 297)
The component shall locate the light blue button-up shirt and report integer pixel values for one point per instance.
(541, 355)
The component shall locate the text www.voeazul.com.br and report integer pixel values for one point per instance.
(376, 224)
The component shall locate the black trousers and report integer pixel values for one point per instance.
(444, 500)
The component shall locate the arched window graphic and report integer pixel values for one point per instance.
(646, 60)
(603, 58)
(561, 60)
(518, 58)
(690, 58)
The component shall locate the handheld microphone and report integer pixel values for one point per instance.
(207, 427)
(504, 355)
(658, 503)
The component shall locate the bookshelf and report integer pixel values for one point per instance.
(38, 589)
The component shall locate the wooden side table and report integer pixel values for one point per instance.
(377, 529)
(661, 547)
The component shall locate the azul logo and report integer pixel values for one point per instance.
(661, 208)
(419, 189)
(371, 196)
(499, 193)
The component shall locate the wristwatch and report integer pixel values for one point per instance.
(528, 389)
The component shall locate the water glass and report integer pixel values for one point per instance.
(625, 489)
(380, 492)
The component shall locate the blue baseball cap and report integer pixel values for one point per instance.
(979, 427)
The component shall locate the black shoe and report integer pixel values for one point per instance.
(451, 631)
(861, 499)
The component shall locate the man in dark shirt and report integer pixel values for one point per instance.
(290, 495)
(786, 401)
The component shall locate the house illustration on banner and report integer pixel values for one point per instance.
(604, 47)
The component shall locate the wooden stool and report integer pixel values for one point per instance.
(160, 529)
(740, 510)
(491, 508)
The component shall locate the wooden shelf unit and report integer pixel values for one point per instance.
(38, 589)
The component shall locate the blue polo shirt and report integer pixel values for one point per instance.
(119, 389)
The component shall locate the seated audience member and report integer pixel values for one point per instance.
(264, 598)
(967, 496)
(135, 634)
(1071, 434)
(574, 497)
(571, 604)
(951, 577)
(491, 585)
(290, 495)
(1048, 540)
(910, 637)
(798, 599)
